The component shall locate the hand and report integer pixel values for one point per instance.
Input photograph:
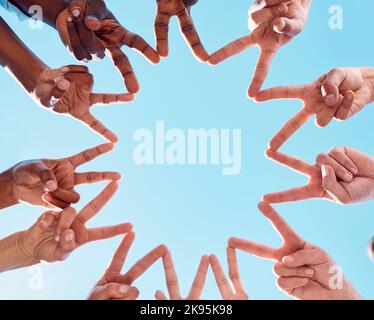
(344, 176)
(166, 9)
(68, 91)
(276, 24)
(56, 234)
(116, 286)
(304, 271)
(228, 292)
(51, 183)
(88, 29)
(339, 94)
(173, 283)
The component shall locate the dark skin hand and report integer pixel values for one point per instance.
(167, 9)
(50, 182)
(90, 30)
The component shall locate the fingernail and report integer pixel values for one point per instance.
(288, 259)
(50, 185)
(123, 289)
(69, 237)
(280, 26)
(282, 8)
(330, 100)
(43, 224)
(76, 13)
(309, 271)
(349, 95)
(57, 238)
(354, 170)
(305, 281)
(348, 176)
(63, 84)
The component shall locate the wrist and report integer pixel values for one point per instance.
(7, 198)
(13, 255)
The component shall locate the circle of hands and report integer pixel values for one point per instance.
(343, 175)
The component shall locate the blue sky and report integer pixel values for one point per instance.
(194, 209)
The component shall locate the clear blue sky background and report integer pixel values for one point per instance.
(194, 210)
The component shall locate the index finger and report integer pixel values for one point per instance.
(121, 253)
(110, 98)
(291, 162)
(171, 277)
(232, 49)
(280, 225)
(200, 278)
(144, 264)
(261, 71)
(289, 129)
(97, 126)
(136, 42)
(222, 282)
(90, 154)
(93, 207)
(191, 36)
(258, 250)
(234, 270)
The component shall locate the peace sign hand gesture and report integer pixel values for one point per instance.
(173, 283)
(166, 9)
(344, 176)
(228, 292)
(50, 183)
(276, 24)
(116, 286)
(89, 29)
(304, 271)
(68, 91)
(339, 94)
(56, 234)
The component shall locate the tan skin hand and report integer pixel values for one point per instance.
(172, 282)
(116, 286)
(233, 289)
(56, 234)
(339, 94)
(303, 269)
(89, 30)
(68, 91)
(277, 23)
(166, 9)
(343, 176)
(51, 183)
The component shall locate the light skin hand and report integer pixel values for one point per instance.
(302, 269)
(343, 176)
(51, 183)
(68, 90)
(166, 9)
(233, 289)
(56, 234)
(277, 23)
(90, 30)
(339, 94)
(172, 282)
(116, 286)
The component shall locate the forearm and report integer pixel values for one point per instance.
(18, 59)
(12, 254)
(6, 195)
(51, 8)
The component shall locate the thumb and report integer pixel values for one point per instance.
(291, 27)
(95, 13)
(46, 176)
(331, 185)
